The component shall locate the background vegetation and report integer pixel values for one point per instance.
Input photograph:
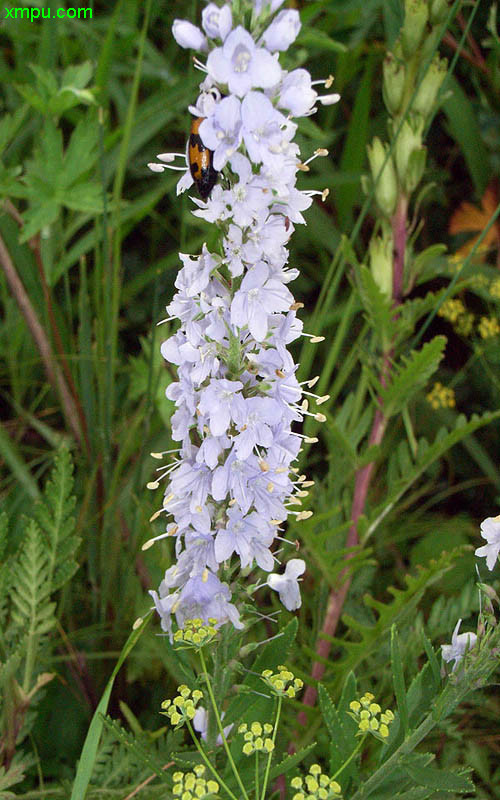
(89, 243)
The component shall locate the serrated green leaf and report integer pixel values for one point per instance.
(411, 375)
(377, 306)
(132, 744)
(440, 780)
(290, 761)
(399, 681)
(86, 197)
(55, 516)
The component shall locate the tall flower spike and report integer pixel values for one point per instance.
(232, 483)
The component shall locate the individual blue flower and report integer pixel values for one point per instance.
(262, 127)
(257, 298)
(242, 65)
(221, 132)
(220, 401)
(249, 536)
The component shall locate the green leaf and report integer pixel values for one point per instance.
(347, 195)
(132, 744)
(32, 610)
(412, 375)
(341, 729)
(290, 761)
(464, 128)
(440, 780)
(399, 680)
(89, 751)
(55, 516)
(318, 40)
(85, 197)
(377, 306)
(12, 457)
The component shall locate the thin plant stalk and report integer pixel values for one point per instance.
(219, 725)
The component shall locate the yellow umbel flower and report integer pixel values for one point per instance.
(369, 716)
(495, 288)
(451, 309)
(257, 737)
(282, 683)
(441, 397)
(315, 786)
(193, 785)
(488, 327)
(182, 707)
(196, 633)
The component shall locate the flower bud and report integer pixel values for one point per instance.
(438, 11)
(188, 35)
(217, 22)
(380, 254)
(409, 153)
(394, 83)
(416, 16)
(282, 31)
(386, 184)
(428, 90)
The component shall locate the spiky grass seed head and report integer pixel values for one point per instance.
(182, 707)
(315, 786)
(369, 717)
(282, 683)
(193, 785)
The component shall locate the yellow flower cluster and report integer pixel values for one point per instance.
(256, 737)
(441, 397)
(182, 707)
(488, 326)
(196, 633)
(495, 288)
(451, 309)
(193, 786)
(464, 324)
(369, 717)
(282, 683)
(455, 312)
(315, 786)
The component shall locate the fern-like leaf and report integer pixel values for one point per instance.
(32, 610)
(54, 514)
(410, 377)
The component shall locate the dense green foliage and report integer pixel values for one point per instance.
(89, 243)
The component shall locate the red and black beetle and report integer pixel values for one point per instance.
(201, 162)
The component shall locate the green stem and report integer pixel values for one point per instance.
(219, 725)
(344, 765)
(207, 762)
(270, 756)
(256, 774)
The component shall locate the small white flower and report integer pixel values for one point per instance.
(460, 643)
(490, 530)
(287, 585)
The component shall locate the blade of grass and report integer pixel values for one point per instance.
(91, 744)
